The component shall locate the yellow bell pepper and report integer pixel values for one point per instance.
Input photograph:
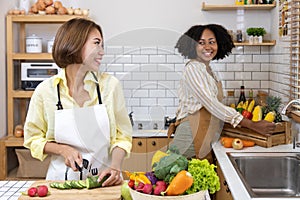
(138, 177)
(257, 113)
(270, 116)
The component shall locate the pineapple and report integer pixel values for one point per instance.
(272, 104)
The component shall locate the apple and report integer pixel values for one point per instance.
(237, 143)
(125, 193)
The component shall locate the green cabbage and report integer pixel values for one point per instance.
(204, 175)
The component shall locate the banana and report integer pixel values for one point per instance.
(240, 105)
(245, 105)
(251, 106)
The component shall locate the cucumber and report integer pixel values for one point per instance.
(89, 183)
(68, 184)
(76, 185)
(61, 186)
(92, 182)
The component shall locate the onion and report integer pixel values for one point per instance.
(62, 11)
(50, 10)
(57, 5)
(48, 2)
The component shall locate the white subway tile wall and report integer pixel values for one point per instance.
(150, 75)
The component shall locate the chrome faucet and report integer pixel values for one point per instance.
(293, 127)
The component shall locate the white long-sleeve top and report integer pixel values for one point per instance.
(199, 89)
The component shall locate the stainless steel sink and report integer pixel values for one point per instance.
(269, 174)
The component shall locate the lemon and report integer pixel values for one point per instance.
(157, 156)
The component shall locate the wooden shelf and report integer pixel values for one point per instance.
(207, 7)
(21, 94)
(43, 18)
(12, 141)
(265, 43)
(32, 56)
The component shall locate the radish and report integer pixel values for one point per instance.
(42, 190)
(147, 189)
(32, 191)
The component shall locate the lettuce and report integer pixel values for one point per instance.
(205, 176)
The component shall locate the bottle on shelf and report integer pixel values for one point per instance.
(242, 97)
(250, 94)
(239, 36)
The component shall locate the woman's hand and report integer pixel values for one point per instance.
(263, 127)
(114, 178)
(114, 171)
(71, 156)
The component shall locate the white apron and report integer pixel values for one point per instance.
(87, 130)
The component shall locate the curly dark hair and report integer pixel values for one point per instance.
(187, 43)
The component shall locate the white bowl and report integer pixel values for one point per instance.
(141, 196)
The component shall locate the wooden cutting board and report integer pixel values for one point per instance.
(104, 193)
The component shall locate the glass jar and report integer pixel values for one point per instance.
(230, 99)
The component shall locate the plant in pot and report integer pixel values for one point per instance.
(256, 34)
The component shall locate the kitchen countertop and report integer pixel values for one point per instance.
(235, 184)
(11, 190)
(149, 133)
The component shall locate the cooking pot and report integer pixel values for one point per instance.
(33, 44)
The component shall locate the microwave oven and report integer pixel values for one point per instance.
(34, 73)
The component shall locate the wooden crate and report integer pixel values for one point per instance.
(281, 135)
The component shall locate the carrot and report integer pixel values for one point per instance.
(247, 143)
(227, 142)
(180, 183)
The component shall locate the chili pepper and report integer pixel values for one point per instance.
(180, 183)
(138, 177)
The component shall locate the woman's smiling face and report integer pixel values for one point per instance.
(207, 47)
(92, 51)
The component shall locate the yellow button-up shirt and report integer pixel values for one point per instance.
(39, 124)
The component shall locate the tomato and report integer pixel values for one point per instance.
(131, 183)
(247, 114)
